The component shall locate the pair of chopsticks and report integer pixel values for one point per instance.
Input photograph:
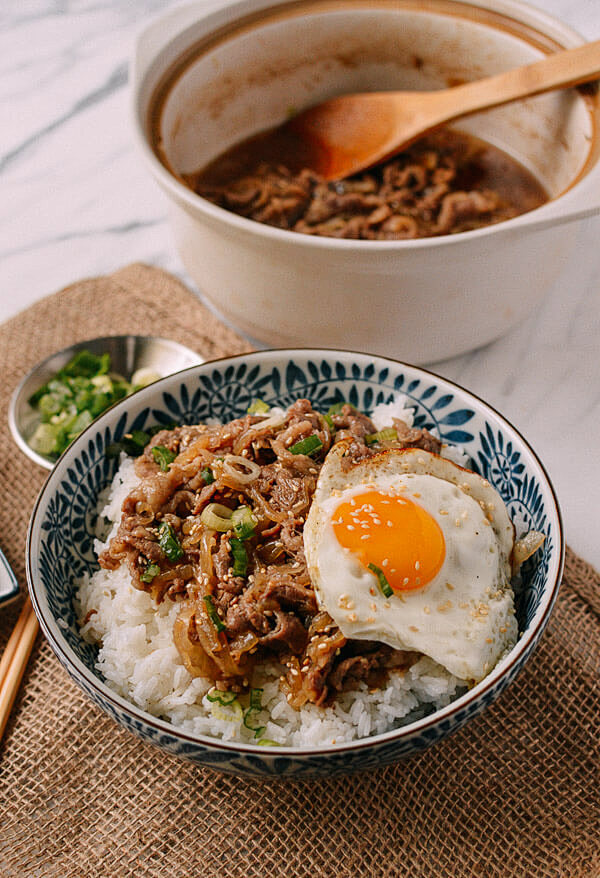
(14, 660)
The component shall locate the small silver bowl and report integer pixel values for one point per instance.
(128, 353)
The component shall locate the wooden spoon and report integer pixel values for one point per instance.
(349, 133)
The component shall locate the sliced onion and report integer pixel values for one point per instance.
(145, 511)
(261, 429)
(244, 643)
(217, 517)
(205, 559)
(263, 508)
(241, 470)
(193, 655)
(525, 547)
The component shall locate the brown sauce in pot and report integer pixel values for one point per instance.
(445, 183)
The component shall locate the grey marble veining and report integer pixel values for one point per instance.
(76, 201)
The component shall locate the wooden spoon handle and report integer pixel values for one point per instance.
(562, 69)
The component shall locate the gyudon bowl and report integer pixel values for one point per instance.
(205, 79)
(65, 524)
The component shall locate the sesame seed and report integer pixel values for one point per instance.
(443, 512)
(352, 617)
(449, 586)
(426, 610)
(412, 628)
(417, 565)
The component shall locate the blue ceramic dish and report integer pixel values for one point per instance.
(60, 542)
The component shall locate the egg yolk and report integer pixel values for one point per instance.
(394, 534)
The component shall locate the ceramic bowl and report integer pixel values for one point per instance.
(128, 353)
(59, 549)
(204, 78)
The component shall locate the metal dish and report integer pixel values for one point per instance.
(128, 353)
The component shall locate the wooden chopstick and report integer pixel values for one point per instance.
(14, 660)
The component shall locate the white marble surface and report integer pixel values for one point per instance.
(76, 202)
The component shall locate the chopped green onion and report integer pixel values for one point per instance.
(228, 711)
(329, 420)
(240, 557)
(256, 699)
(337, 407)
(217, 517)
(143, 377)
(207, 475)
(258, 407)
(307, 446)
(384, 585)
(169, 543)
(212, 613)
(222, 698)
(163, 456)
(244, 522)
(255, 705)
(73, 398)
(134, 443)
(267, 742)
(150, 572)
(388, 434)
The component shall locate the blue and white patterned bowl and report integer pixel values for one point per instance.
(61, 532)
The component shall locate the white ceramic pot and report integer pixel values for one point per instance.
(205, 77)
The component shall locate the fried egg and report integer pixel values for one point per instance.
(409, 549)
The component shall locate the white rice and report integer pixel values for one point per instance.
(139, 661)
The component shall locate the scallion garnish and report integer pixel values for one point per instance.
(217, 517)
(212, 613)
(150, 572)
(255, 706)
(244, 522)
(258, 407)
(384, 585)
(163, 456)
(240, 557)
(337, 407)
(72, 399)
(388, 434)
(267, 742)
(168, 542)
(222, 698)
(307, 446)
(134, 443)
(207, 475)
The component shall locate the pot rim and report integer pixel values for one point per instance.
(571, 203)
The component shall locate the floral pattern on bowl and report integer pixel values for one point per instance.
(60, 544)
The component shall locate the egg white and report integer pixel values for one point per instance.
(464, 617)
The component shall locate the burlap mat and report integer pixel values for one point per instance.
(517, 792)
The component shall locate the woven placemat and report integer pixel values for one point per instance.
(515, 793)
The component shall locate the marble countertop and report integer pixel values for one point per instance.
(77, 202)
